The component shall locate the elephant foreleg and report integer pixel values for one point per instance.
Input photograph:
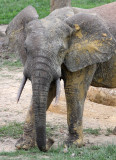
(76, 86)
(28, 138)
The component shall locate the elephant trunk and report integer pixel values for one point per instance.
(41, 79)
(40, 94)
(40, 87)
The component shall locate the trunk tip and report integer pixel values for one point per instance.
(49, 143)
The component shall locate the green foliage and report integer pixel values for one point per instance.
(95, 132)
(10, 8)
(12, 130)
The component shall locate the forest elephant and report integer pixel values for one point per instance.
(73, 44)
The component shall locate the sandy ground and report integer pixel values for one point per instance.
(95, 115)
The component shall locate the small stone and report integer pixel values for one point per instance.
(73, 155)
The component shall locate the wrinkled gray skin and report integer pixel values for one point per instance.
(74, 44)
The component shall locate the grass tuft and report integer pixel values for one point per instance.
(16, 63)
(11, 62)
(108, 132)
(13, 130)
(95, 132)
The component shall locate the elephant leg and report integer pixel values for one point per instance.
(28, 139)
(76, 86)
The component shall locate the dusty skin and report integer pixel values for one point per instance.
(95, 115)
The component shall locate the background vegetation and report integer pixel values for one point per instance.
(9, 8)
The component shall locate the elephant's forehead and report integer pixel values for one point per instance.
(54, 23)
(43, 36)
(46, 27)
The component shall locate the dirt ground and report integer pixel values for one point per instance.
(95, 115)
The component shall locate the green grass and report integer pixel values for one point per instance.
(95, 132)
(89, 3)
(107, 152)
(13, 130)
(16, 63)
(10, 8)
(108, 132)
(13, 61)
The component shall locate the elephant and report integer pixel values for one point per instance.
(73, 44)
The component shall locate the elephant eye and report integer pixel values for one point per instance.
(25, 47)
(61, 49)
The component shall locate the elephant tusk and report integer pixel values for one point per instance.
(21, 88)
(57, 90)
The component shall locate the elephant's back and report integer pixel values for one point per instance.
(108, 13)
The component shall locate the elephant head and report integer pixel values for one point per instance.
(45, 45)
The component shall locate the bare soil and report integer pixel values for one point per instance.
(95, 115)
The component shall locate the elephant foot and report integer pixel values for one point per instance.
(25, 144)
(74, 140)
(27, 141)
(79, 143)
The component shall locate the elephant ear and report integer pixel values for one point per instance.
(16, 31)
(90, 43)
